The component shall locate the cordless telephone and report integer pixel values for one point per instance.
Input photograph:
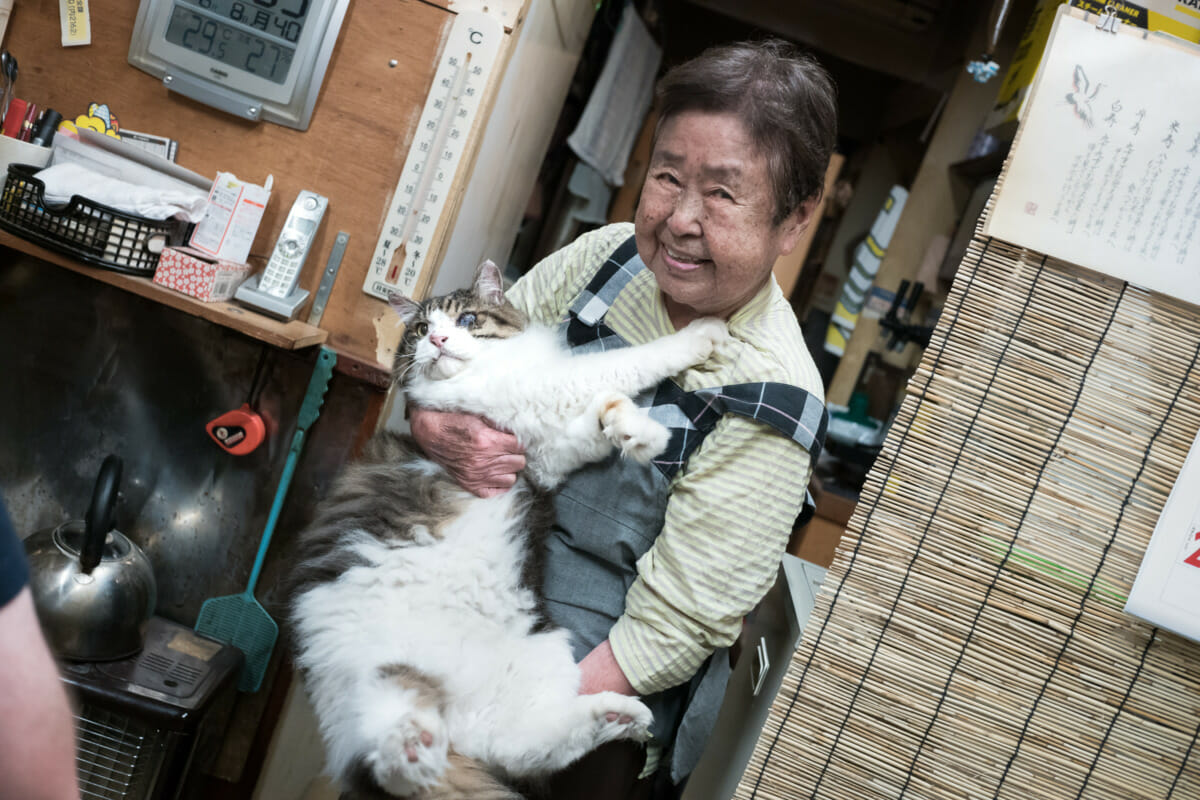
(275, 290)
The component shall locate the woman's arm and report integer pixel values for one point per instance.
(726, 528)
(600, 672)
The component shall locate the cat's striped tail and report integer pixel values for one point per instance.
(464, 779)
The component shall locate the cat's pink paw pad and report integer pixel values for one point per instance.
(412, 757)
(621, 717)
(412, 749)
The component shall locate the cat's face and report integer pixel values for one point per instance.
(443, 335)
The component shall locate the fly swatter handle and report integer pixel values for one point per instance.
(314, 398)
(310, 409)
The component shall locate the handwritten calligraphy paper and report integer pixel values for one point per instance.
(1105, 170)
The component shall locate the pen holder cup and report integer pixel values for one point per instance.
(14, 151)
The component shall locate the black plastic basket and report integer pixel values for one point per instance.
(88, 231)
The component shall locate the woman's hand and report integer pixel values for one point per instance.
(600, 672)
(481, 459)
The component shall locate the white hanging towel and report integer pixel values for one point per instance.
(606, 131)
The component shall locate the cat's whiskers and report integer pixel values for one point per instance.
(402, 374)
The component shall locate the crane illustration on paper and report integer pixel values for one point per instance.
(1081, 96)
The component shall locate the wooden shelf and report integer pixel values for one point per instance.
(292, 335)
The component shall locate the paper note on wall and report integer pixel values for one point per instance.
(75, 20)
(1105, 171)
(1167, 589)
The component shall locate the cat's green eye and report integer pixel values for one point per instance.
(421, 328)
(466, 320)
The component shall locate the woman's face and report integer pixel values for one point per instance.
(704, 223)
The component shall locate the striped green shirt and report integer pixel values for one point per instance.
(732, 506)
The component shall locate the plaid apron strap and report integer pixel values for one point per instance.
(585, 322)
(690, 416)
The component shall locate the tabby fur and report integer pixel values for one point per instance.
(416, 612)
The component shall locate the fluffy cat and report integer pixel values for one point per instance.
(418, 624)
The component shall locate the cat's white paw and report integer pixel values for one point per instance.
(708, 334)
(412, 756)
(631, 430)
(617, 716)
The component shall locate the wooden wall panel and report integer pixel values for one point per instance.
(353, 151)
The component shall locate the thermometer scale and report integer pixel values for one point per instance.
(437, 150)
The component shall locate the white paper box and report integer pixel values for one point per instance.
(235, 208)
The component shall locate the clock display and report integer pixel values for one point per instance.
(261, 60)
(254, 36)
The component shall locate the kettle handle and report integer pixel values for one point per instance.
(99, 519)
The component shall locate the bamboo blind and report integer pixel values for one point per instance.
(969, 640)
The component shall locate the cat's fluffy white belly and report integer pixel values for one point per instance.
(452, 610)
(435, 607)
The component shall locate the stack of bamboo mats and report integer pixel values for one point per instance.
(969, 640)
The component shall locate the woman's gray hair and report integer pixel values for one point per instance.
(785, 99)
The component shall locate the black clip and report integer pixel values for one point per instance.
(896, 321)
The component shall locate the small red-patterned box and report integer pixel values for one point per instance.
(194, 273)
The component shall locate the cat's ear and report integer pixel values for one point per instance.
(489, 283)
(406, 307)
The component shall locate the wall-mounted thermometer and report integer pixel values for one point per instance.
(435, 155)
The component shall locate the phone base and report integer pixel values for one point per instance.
(285, 308)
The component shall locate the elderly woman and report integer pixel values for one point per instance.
(654, 566)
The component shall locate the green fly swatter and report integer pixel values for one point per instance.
(239, 619)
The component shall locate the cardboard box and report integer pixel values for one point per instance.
(817, 541)
(235, 208)
(833, 503)
(199, 275)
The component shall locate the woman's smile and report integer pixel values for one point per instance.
(682, 262)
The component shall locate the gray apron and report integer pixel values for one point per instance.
(609, 513)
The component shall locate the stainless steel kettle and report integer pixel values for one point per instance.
(94, 589)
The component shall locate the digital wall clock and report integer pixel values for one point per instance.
(258, 59)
